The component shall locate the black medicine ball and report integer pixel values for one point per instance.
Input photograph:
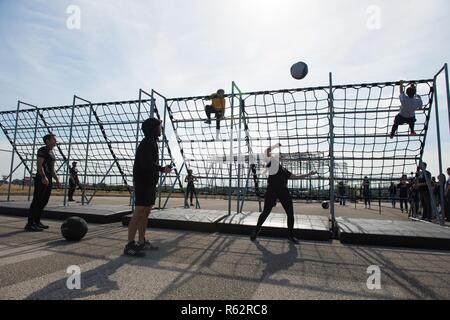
(325, 204)
(74, 228)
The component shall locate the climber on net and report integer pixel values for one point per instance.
(410, 102)
(217, 107)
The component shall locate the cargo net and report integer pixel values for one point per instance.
(299, 119)
(204, 149)
(104, 138)
(363, 119)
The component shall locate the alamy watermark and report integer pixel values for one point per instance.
(74, 280)
(374, 280)
(73, 21)
(374, 19)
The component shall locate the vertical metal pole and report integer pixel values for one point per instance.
(231, 148)
(66, 178)
(438, 133)
(83, 193)
(138, 122)
(447, 85)
(239, 157)
(331, 102)
(163, 145)
(13, 151)
(32, 153)
(379, 198)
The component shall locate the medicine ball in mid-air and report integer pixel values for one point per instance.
(325, 205)
(299, 70)
(74, 228)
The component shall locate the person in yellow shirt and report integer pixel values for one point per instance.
(217, 107)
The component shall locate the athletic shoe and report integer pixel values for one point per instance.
(413, 133)
(293, 240)
(147, 246)
(71, 200)
(134, 250)
(32, 228)
(208, 121)
(254, 235)
(42, 226)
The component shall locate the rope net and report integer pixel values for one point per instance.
(103, 139)
(300, 120)
(105, 136)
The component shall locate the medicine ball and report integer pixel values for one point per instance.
(74, 228)
(325, 205)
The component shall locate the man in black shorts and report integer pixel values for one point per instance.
(277, 190)
(146, 171)
(43, 183)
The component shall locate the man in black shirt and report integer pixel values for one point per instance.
(366, 191)
(146, 171)
(73, 180)
(277, 190)
(403, 186)
(424, 192)
(43, 183)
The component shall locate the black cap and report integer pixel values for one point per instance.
(150, 127)
(48, 136)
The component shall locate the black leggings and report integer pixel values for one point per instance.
(399, 120)
(219, 114)
(405, 202)
(190, 191)
(270, 200)
(40, 199)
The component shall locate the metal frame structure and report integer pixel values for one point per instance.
(240, 172)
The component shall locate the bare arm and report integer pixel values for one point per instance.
(269, 150)
(303, 176)
(40, 166)
(402, 88)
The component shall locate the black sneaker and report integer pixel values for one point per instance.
(254, 235)
(293, 240)
(32, 228)
(42, 226)
(134, 250)
(208, 121)
(147, 246)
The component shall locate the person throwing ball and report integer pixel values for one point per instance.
(277, 190)
(145, 175)
(410, 102)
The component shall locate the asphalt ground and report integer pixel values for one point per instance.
(202, 266)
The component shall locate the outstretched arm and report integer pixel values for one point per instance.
(303, 176)
(402, 88)
(269, 150)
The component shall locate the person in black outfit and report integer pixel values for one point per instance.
(393, 194)
(403, 188)
(73, 180)
(190, 191)
(366, 191)
(414, 194)
(146, 171)
(341, 193)
(425, 196)
(43, 183)
(277, 190)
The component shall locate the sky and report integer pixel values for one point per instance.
(190, 48)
